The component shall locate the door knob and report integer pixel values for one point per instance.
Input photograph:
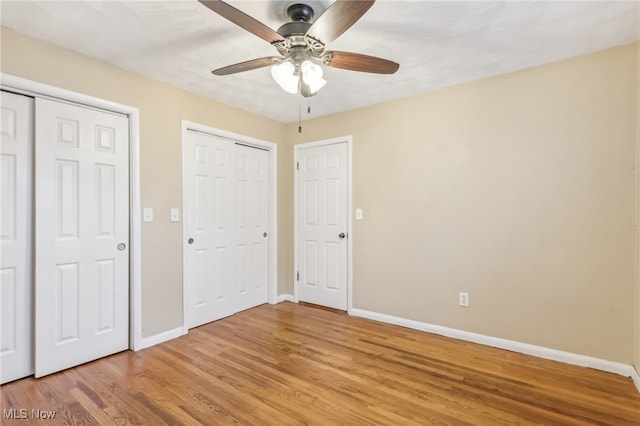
(122, 246)
(264, 235)
(341, 235)
(190, 240)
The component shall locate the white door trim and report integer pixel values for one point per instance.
(35, 89)
(296, 149)
(272, 287)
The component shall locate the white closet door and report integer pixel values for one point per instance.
(226, 216)
(82, 235)
(15, 230)
(209, 223)
(252, 183)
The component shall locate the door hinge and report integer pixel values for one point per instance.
(298, 276)
(298, 166)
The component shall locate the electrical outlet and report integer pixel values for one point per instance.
(463, 299)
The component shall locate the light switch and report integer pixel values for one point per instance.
(358, 214)
(147, 215)
(175, 215)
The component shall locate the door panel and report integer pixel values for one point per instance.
(322, 219)
(15, 237)
(82, 238)
(208, 222)
(252, 238)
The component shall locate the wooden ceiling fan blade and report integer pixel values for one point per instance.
(247, 65)
(363, 63)
(243, 20)
(338, 18)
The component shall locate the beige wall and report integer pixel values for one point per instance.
(162, 107)
(518, 189)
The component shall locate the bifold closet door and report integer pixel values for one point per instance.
(16, 232)
(82, 235)
(226, 227)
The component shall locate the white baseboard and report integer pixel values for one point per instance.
(285, 298)
(525, 348)
(161, 338)
(635, 376)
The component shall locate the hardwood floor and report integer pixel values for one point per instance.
(292, 364)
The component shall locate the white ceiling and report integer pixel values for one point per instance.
(436, 43)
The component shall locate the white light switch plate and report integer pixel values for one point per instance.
(147, 215)
(175, 215)
(358, 214)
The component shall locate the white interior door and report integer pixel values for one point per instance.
(252, 180)
(82, 235)
(322, 225)
(16, 307)
(226, 187)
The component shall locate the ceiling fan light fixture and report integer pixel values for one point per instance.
(312, 76)
(316, 85)
(310, 71)
(284, 74)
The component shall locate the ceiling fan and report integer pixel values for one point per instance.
(301, 44)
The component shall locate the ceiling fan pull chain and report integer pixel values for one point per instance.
(300, 117)
(309, 106)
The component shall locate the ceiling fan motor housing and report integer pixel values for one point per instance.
(294, 32)
(290, 29)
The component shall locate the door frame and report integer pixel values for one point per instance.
(296, 149)
(40, 90)
(272, 148)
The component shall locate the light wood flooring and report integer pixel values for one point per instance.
(292, 364)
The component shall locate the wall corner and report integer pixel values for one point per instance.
(636, 291)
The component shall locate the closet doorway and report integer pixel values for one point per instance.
(229, 223)
(66, 232)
